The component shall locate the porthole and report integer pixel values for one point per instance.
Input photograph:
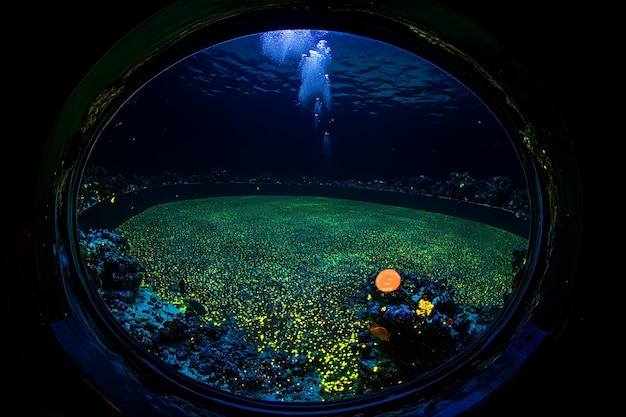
(305, 212)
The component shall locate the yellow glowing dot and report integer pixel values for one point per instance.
(425, 307)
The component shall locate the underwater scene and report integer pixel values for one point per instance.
(345, 237)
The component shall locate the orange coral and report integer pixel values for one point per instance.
(379, 332)
(388, 280)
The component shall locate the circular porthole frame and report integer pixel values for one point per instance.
(540, 305)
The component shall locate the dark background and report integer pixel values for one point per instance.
(52, 46)
(230, 107)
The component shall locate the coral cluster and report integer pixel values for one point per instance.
(425, 327)
(499, 191)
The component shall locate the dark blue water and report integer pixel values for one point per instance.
(388, 114)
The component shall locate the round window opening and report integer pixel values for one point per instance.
(304, 215)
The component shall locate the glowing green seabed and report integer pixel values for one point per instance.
(287, 268)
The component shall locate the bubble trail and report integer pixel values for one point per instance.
(314, 55)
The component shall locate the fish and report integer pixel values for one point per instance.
(179, 287)
(379, 332)
(196, 306)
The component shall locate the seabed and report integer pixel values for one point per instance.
(273, 296)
